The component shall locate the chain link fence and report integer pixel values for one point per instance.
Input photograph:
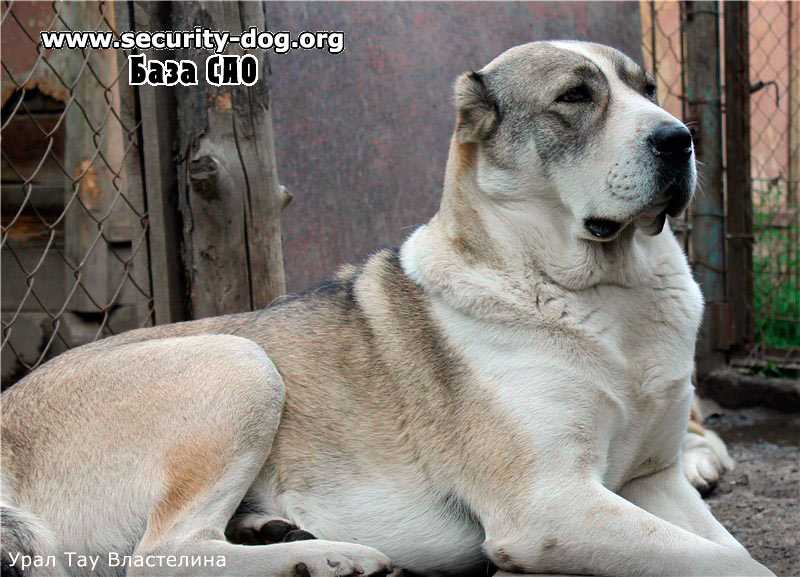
(662, 48)
(74, 220)
(775, 163)
(774, 150)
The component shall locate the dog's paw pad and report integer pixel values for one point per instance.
(330, 559)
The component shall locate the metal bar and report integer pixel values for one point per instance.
(703, 106)
(653, 23)
(739, 249)
(793, 184)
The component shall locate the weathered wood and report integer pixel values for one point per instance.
(265, 199)
(230, 199)
(128, 229)
(95, 161)
(739, 249)
(158, 129)
(707, 249)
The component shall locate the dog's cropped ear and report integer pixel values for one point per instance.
(478, 114)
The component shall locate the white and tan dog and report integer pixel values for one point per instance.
(514, 384)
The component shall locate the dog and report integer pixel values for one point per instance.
(512, 385)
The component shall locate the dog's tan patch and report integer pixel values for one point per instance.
(697, 428)
(191, 468)
(464, 156)
(696, 419)
(462, 223)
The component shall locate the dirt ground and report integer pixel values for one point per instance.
(759, 502)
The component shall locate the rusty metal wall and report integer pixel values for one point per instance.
(362, 136)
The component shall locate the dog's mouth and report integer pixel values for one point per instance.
(603, 228)
(650, 221)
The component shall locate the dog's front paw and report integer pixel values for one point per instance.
(705, 460)
(332, 559)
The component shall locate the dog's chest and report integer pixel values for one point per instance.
(645, 336)
(612, 372)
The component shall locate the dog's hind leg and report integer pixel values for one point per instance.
(262, 529)
(193, 539)
(222, 440)
(189, 534)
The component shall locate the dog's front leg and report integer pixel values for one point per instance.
(670, 495)
(586, 529)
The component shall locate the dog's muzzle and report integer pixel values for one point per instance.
(672, 146)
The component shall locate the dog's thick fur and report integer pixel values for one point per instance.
(505, 386)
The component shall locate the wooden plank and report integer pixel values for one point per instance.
(48, 200)
(264, 198)
(127, 227)
(30, 331)
(707, 249)
(48, 282)
(739, 249)
(87, 160)
(158, 130)
(229, 196)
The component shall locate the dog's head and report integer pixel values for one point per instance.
(576, 125)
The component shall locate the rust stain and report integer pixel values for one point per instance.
(223, 102)
(27, 227)
(47, 85)
(89, 190)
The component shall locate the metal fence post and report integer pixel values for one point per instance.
(739, 249)
(707, 248)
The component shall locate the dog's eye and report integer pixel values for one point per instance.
(650, 90)
(576, 94)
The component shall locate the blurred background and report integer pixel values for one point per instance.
(127, 206)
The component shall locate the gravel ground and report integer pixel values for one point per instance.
(759, 502)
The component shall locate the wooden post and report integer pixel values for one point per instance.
(90, 193)
(707, 247)
(230, 198)
(104, 237)
(739, 253)
(159, 132)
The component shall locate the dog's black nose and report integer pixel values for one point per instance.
(672, 141)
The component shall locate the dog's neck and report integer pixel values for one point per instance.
(486, 255)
